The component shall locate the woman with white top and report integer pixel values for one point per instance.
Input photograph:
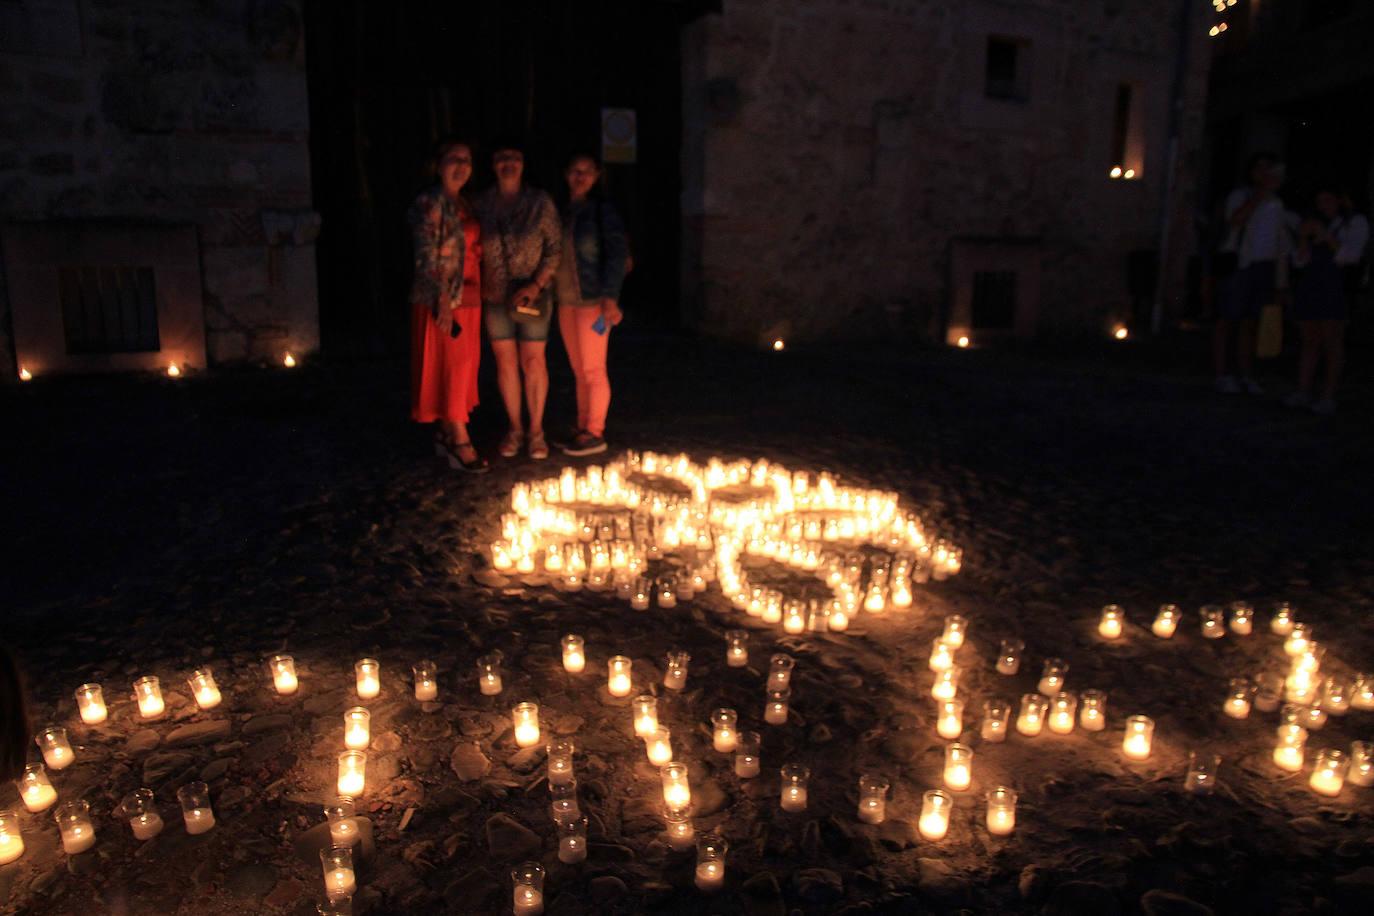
(1258, 243)
(1330, 248)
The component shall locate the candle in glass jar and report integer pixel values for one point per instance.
(935, 808)
(1298, 640)
(1237, 704)
(352, 773)
(1032, 716)
(75, 827)
(1290, 747)
(780, 671)
(724, 735)
(677, 823)
(561, 763)
(1166, 621)
(645, 709)
(195, 807)
(747, 754)
(1362, 693)
(658, 746)
(872, 799)
(676, 791)
(1063, 709)
(958, 767)
(736, 648)
(794, 780)
(1009, 656)
(204, 688)
(572, 840)
(90, 702)
(639, 600)
(1328, 772)
(1139, 736)
(148, 693)
(949, 722)
(618, 681)
(956, 628)
(368, 672)
(1052, 677)
(340, 880)
(1112, 623)
(1268, 691)
(343, 823)
(1361, 770)
(357, 728)
(141, 809)
(794, 617)
(1335, 695)
(56, 749)
(946, 685)
(489, 674)
(525, 717)
(941, 656)
(1282, 622)
(283, 668)
(1092, 711)
(1242, 618)
(1201, 777)
(1001, 815)
(35, 789)
(574, 656)
(426, 675)
(775, 707)
(839, 617)
(11, 840)
(675, 670)
(996, 715)
(710, 871)
(1213, 621)
(667, 593)
(563, 804)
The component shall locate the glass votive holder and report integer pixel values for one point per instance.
(572, 840)
(1201, 777)
(677, 826)
(1213, 621)
(1362, 692)
(794, 617)
(1031, 719)
(90, 703)
(148, 694)
(1092, 710)
(140, 807)
(426, 675)
(1063, 710)
(1140, 732)
(368, 674)
(1311, 717)
(195, 807)
(1299, 638)
(35, 789)
(639, 596)
(357, 728)
(560, 762)
(780, 671)
(941, 655)
(665, 590)
(838, 621)
(1001, 810)
(56, 749)
(658, 747)
(11, 839)
(563, 803)
(1290, 748)
(775, 706)
(1361, 770)
(574, 654)
(619, 673)
(1166, 621)
(958, 774)
(946, 685)
(675, 670)
(873, 798)
(710, 871)
(645, 711)
(724, 732)
(1328, 772)
(343, 822)
(1268, 691)
(996, 717)
(1335, 695)
(525, 719)
(1009, 652)
(949, 718)
(489, 674)
(340, 880)
(74, 826)
(204, 689)
(1242, 618)
(793, 790)
(1282, 621)
(1112, 622)
(956, 628)
(1237, 703)
(352, 779)
(747, 747)
(935, 807)
(1052, 676)
(1302, 686)
(677, 793)
(283, 671)
(736, 648)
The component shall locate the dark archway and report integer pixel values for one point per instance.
(387, 78)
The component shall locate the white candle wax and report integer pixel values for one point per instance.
(1061, 722)
(11, 847)
(527, 734)
(736, 657)
(950, 726)
(958, 776)
(724, 739)
(339, 883)
(1109, 628)
(357, 737)
(574, 661)
(793, 799)
(935, 825)
(639, 601)
(1326, 782)
(150, 707)
(1164, 627)
(1050, 685)
(1241, 626)
(344, 832)
(285, 682)
(1092, 720)
(619, 685)
(1029, 725)
(746, 767)
(677, 795)
(39, 797)
(1136, 747)
(1001, 820)
(368, 686)
(207, 697)
(146, 826)
(673, 679)
(1008, 665)
(198, 820)
(646, 723)
(659, 752)
(78, 838)
(351, 783)
(1288, 758)
(93, 711)
(710, 876)
(872, 810)
(426, 691)
(993, 731)
(489, 684)
(839, 620)
(1237, 707)
(775, 713)
(571, 850)
(57, 758)
(681, 836)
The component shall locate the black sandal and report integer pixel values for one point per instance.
(477, 465)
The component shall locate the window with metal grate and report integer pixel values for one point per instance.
(108, 309)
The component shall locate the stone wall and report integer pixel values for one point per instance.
(837, 151)
(172, 112)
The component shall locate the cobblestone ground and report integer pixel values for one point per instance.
(157, 526)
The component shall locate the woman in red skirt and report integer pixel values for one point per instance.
(446, 308)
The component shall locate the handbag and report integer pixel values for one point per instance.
(538, 309)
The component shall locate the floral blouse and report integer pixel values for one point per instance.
(437, 229)
(521, 240)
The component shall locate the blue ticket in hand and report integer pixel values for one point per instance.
(599, 326)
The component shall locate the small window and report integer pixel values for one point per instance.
(1007, 70)
(994, 299)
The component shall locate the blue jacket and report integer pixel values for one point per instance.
(600, 247)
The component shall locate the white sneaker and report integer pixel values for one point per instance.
(1326, 407)
(1251, 386)
(1298, 399)
(1227, 385)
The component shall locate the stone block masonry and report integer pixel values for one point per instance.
(179, 114)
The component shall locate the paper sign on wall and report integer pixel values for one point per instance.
(618, 132)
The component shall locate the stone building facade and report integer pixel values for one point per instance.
(938, 168)
(155, 200)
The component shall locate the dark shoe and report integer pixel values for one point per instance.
(585, 444)
(561, 438)
(477, 465)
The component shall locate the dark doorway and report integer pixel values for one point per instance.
(386, 79)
